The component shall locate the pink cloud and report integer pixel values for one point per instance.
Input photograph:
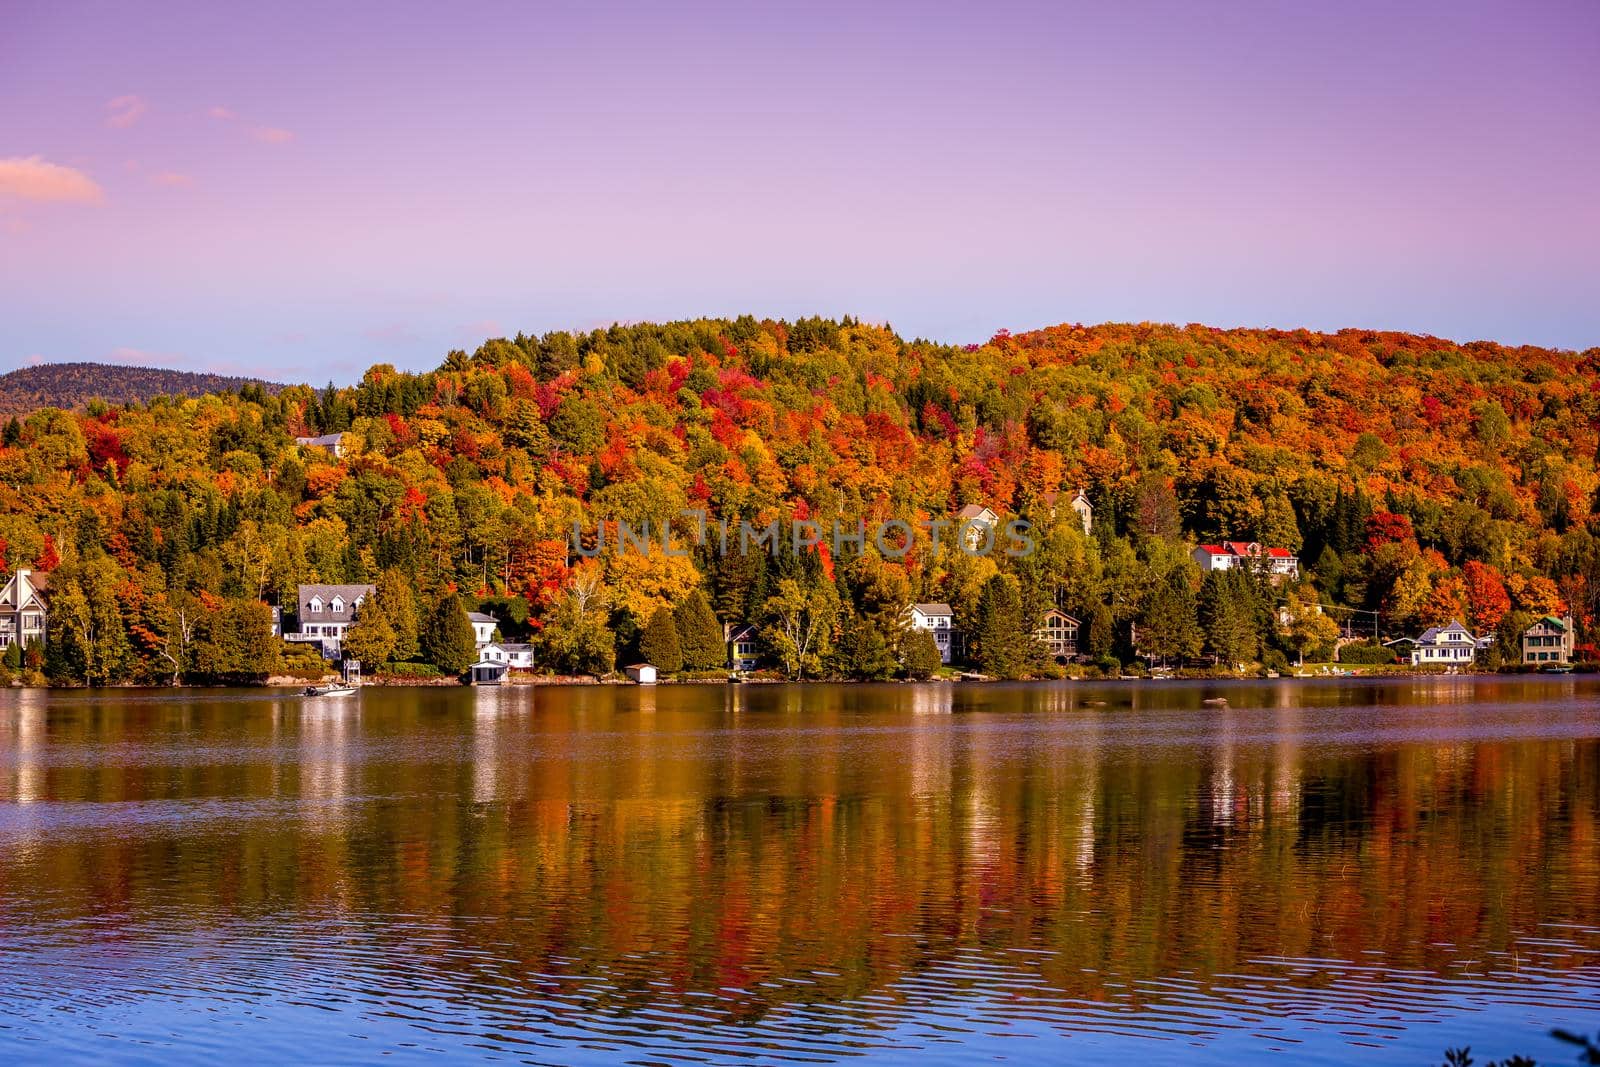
(124, 111)
(272, 134)
(171, 179)
(482, 328)
(221, 113)
(31, 178)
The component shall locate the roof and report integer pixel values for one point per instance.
(640, 667)
(1245, 548)
(327, 440)
(511, 646)
(13, 595)
(478, 616)
(972, 511)
(1431, 634)
(1556, 624)
(348, 593)
(740, 633)
(1057, 611)
(932, 609)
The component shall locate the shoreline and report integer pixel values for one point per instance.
(282, 683)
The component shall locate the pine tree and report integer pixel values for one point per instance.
(864, 652)
(1168, 628)
(919, 654)
(1228, 614)
(699, 634)
(658, 644)
(447, 640)
(1101, 632)
(1003, 647)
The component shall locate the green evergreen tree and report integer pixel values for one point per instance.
(1002, 645)
(1228, 613)
(398, 605)
(447, 640)
(699, 634)
(658, 644)
(863, 651)
(1102, 633)
(1169, 629)
(919, 654)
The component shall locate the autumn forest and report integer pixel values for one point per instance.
(1417, 480)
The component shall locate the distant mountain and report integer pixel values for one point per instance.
(72, 385)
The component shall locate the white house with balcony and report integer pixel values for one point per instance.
(24, 609)
(325, 612)
(938, 620)
(1451, 645)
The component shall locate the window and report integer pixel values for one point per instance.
(315, 607)
(338, 604)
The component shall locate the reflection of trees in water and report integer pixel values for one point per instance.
(585, 835)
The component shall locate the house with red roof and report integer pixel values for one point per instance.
(1278, 563)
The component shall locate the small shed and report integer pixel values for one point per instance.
(485, 673)
(643, 673)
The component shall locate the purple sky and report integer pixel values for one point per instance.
(299, 193)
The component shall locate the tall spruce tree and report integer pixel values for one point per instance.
(1169, 629)
(658, 644)
(699, 634)
(447, 640)
(1002, 645)
(1228, 613)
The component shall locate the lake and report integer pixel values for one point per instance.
(1346, 871)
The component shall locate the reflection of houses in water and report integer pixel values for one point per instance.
(487, 704)
(1286, 774)
(932, 743)
(932, 698)
(326, 730)
(28, 732)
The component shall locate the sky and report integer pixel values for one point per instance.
(300, 190)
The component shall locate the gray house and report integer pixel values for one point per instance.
(325, 612)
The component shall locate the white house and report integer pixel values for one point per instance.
(642, 673)
(325, 612)
(1451, 645)
(1080, 504)
(331, 443)
(1279, 563)
(939, 620)
(976, 525)
(483, 627)
(24, 608)
(516, 656)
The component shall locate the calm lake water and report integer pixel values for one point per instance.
(1338, 871)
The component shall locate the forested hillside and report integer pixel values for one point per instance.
(1416, 477)
(73, 385)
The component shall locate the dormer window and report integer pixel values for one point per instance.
(315, 606)
(359, 599)
(338, 604)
